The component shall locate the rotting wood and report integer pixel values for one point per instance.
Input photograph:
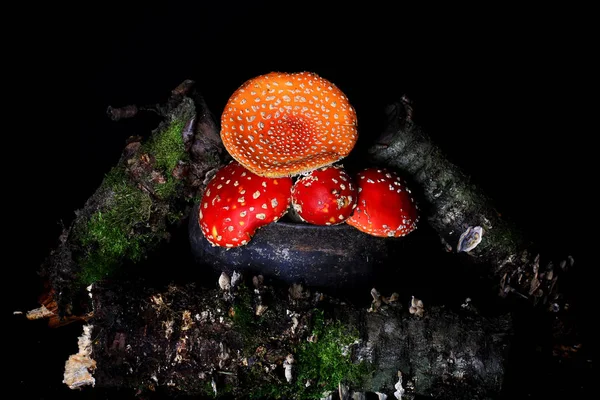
(140, 201)
(465, 218)
(248, 338)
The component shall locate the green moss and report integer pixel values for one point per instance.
(130, 222)
(324, 362)
(168, 149)
(245, 319)
(327, 361)
(167, 146)
(117, 233)
(168, 189)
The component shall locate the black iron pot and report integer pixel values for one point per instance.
(337, 258)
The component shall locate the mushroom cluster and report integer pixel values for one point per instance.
(286, 134)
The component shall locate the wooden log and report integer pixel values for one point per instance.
(465, 218)
(139, 204)
(252, 338)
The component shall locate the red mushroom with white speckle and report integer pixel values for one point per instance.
(325, 196)
(284, 124)
(237, 202)
(385, 206)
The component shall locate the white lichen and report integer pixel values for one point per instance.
(376, 303)
(214, 386)
(260, 309)
(79, 367)
(235, 278)
(168, 325)
(39, 313)
(287, 366)
(398, 386)
(224, 281)
(469, 239)
(416, 307)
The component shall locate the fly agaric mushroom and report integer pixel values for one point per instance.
(237, 202)
(324, 196)
(385, 206)
(284, 124)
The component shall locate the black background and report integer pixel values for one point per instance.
(501, 90)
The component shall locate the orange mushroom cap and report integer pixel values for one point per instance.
(284, 124)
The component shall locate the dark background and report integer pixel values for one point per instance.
(501, 90)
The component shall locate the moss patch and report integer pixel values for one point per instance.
(119, 232)
(322, 363)
(129, 220)
(327, 361)
(168, 149)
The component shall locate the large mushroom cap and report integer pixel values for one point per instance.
(284, 124)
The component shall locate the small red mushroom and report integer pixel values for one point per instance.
(237, 202)
(325, 196)
(385, 205)
(284, 124)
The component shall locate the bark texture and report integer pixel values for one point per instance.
(238, 339)
(141, 201)
(456, 209)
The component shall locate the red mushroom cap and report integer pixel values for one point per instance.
(325, 196)
(237, 202)
(284, 124)
(385, 205)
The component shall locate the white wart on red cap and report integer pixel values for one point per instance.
(284, 124)
(325, 196)
(237, 202)
(385, 206)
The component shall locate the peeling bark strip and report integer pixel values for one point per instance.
(247, 338)
(148, 192)
(463, 216)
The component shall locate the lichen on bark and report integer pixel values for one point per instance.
(138, 204)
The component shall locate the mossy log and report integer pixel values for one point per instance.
(248, 338)
(139, 203)
(465, 218)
